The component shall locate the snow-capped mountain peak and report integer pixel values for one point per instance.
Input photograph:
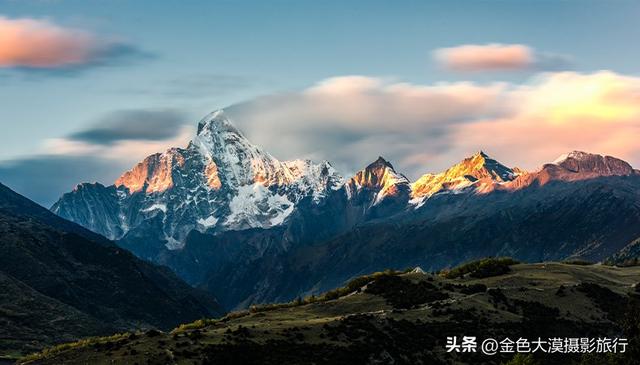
(474, 170)
(380, 174)
(379, 177)
(236, 160)
(480, 166)
(220, 181)
(217, 122)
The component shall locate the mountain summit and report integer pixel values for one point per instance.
(589, 163)
(229, 155)
(475, 170)
(220, 181)
(381, 178)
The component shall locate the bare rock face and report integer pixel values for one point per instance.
(590, 164)
(381, 181)
(154, 174)
(573, 166)
(479, 173)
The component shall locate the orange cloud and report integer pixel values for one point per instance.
(560, 112)
(603, 96)
(34, 43)
(473, 57)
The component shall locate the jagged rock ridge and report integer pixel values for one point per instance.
(220, 181)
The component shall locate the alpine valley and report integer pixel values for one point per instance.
(231, 219)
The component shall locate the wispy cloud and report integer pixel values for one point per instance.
(126, 136)
(131, 125)
(100, 153)
(30, 44)
(496, 57)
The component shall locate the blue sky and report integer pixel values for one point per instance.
(191, 57)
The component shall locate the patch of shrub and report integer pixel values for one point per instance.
(198, 324)
(497, 295)
(622, 262)
(473, 289)
(357, 283)
(482, 268)
(535, 311)
(91, 341)
(153, 333)
(630, 262)
(404, 294)
(353, 285)
(608, 301)
(522, 359)
(234, 315)
(578, 262)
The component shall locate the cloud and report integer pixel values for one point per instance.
(496, 57)
(426, 128)
(127, 150)
(349, 120)
(102, 153)
(353, 119)
(40, 45)
(127, 125)
(560, 112)
(44, 179)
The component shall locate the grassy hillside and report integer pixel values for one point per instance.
(392, 317)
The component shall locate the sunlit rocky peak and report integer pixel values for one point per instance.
(381, 177)
(154, 173)
(590, 163)
(472, 170)
(378, 174)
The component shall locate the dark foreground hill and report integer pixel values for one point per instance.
(399, 318)
(60, 282)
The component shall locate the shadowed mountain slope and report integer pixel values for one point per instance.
(55, 276)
